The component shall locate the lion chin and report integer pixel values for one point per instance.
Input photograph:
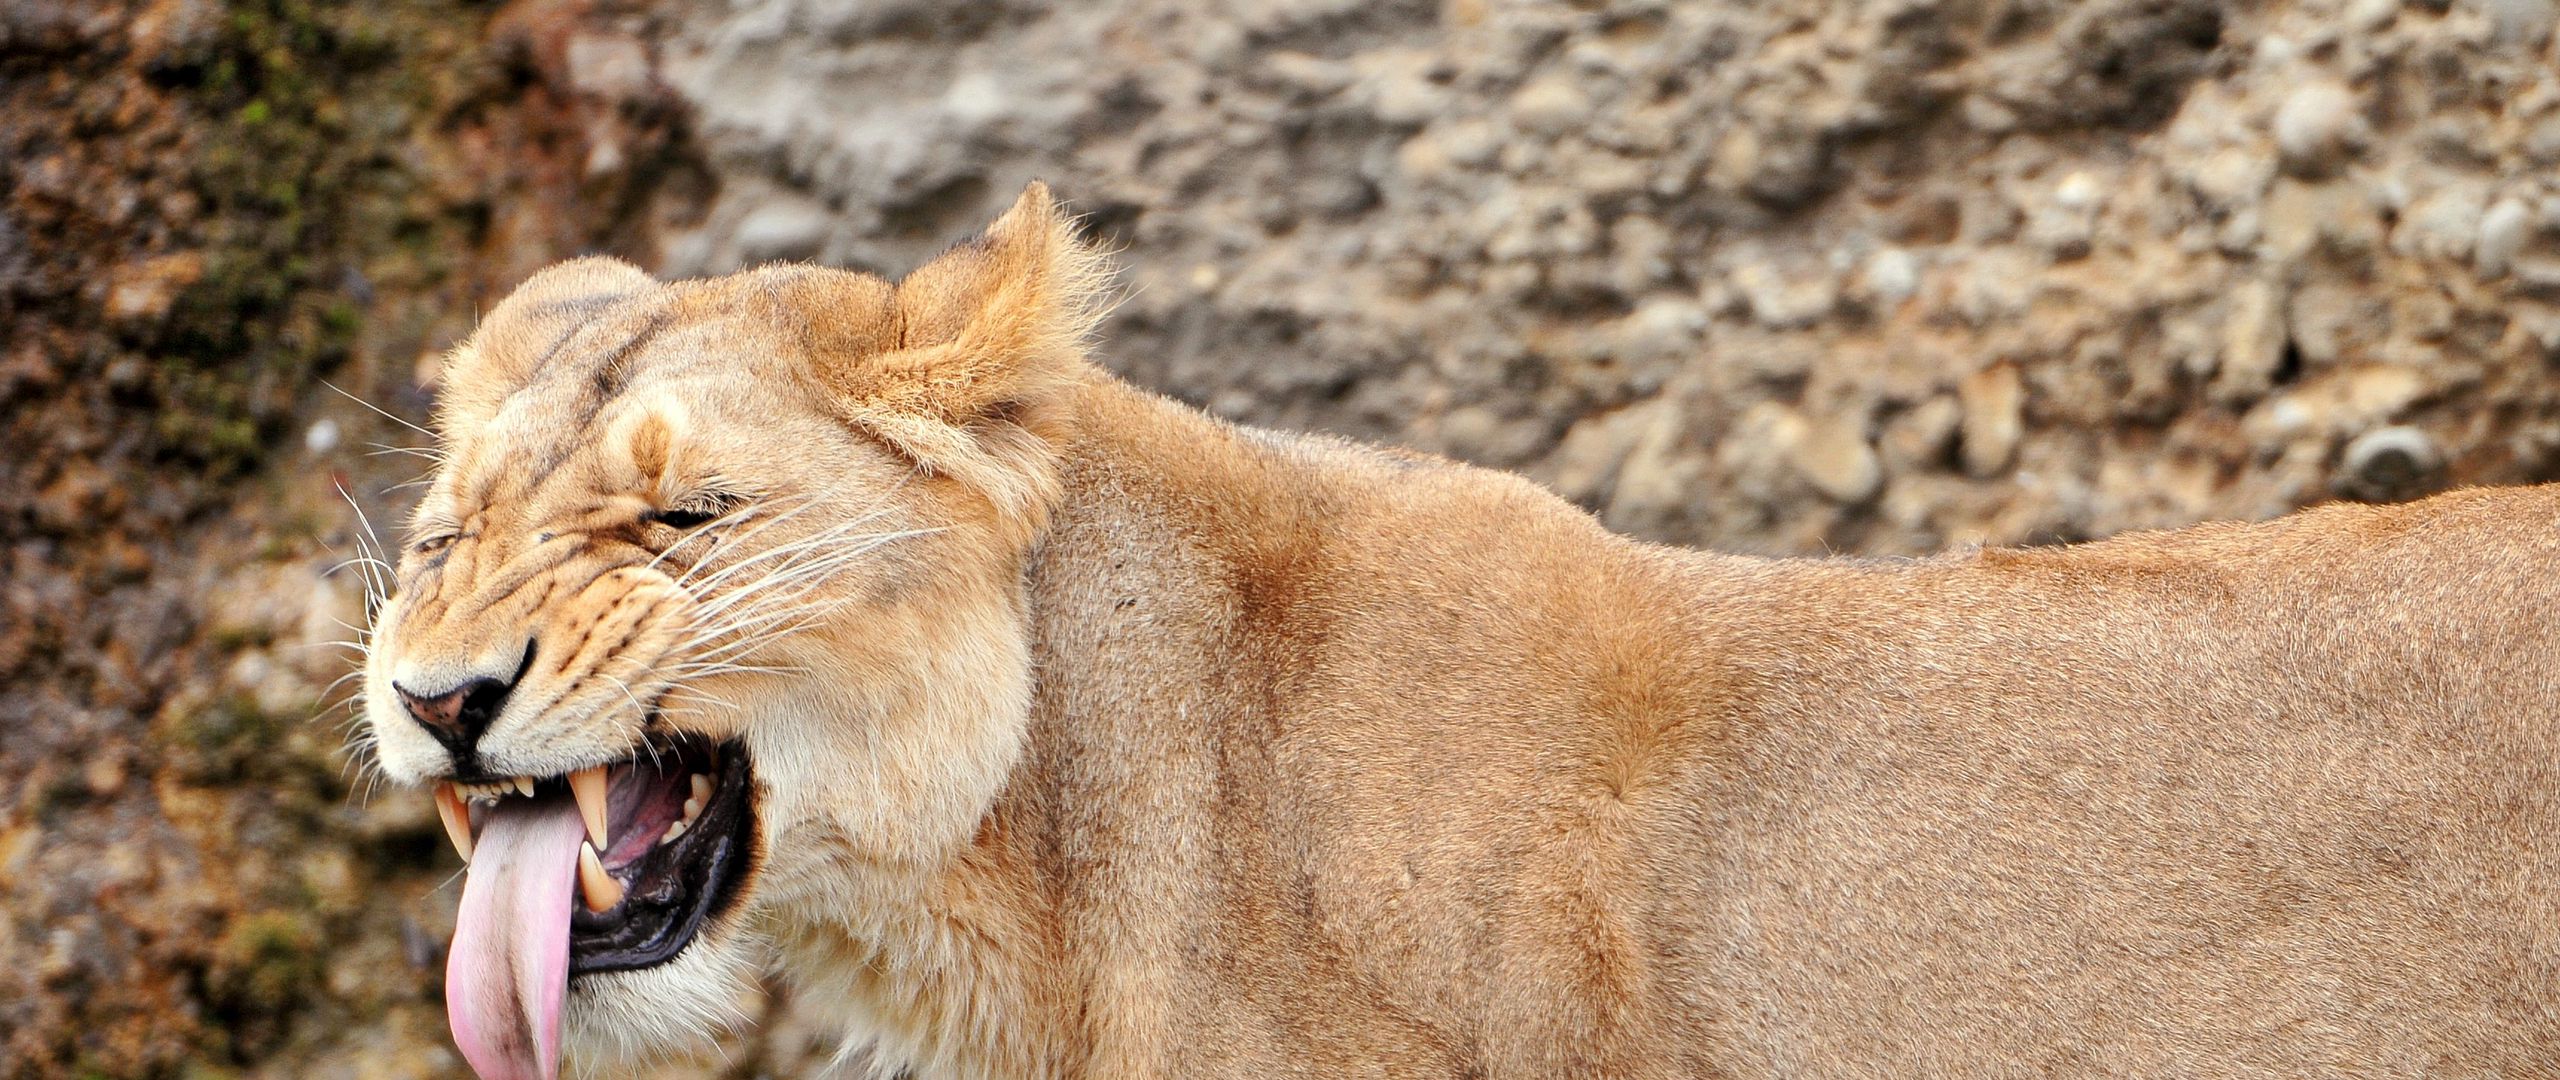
(1031, 725)
(624, 1017)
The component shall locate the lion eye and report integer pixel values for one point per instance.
(433, 544)
(683, 519)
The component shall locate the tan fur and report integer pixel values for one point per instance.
(1181, 750)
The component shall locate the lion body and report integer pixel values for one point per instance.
(1344, 763)
(1156, 747)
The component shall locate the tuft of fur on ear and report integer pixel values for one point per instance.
(502, 353)
(978, 348)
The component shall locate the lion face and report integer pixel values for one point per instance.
(716, 585)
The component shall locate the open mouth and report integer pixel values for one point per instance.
(609, 868)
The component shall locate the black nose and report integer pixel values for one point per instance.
(458, 716)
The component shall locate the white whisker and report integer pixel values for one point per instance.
(428, 452)
(377, 410)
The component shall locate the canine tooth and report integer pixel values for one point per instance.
(587, 786)
(457, 818)
(601, 890)
(524, 786)
(674, 829)
(702, 789)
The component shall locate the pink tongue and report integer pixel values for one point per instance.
(509, 966)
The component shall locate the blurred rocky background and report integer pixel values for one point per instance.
(1794, 277)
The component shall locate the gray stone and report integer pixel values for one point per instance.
(783, 230)
(2390, 464)
(1892, 275)
(2317, 124)
(2443, 223)
(2503, 232)
(611, 66)
(1780, 302)
(2522, 25)
(1552, 105)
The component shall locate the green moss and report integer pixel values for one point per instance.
(232, 741)
(292, 191)
(268, 961)
(228, 741)
(233, 637)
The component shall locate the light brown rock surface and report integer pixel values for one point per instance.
(2170, 258)
(1792, 277)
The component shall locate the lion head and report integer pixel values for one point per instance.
(715, 587)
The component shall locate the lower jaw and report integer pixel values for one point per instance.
(666, 908)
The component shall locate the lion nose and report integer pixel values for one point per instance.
(457, 717)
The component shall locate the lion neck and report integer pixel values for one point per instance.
(920, 885)
(928, 891)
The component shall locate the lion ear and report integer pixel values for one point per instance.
(994, 325)
(977, 350)
(524, 329)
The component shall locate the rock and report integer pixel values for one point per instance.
(1552, 105)
(2317, 125)
(1587, 459)
(1997, 285)
(1473, 143)
(2251, 341)
(2371, 393)
(321, 437)
(1664, 327)
(1756, 454)
(1891, 276)
(2522, 25)
(2391, 464)
(2065, 224)
(2542, 142)
(1835, 457)
(2079, 191)
(2233, 177)
(783, 230)
(2329, 217)
(2326, 320)
(1780, 303)
(610, 66)
(2503, 232)
(1994, 403)
(1311, 75)
(143, 292)
(2371, 15)
(1920, 439)
(2444, 223)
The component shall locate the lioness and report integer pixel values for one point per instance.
(1049, 728)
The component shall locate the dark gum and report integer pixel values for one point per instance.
(673, 889)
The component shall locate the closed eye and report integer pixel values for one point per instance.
(684, 518)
